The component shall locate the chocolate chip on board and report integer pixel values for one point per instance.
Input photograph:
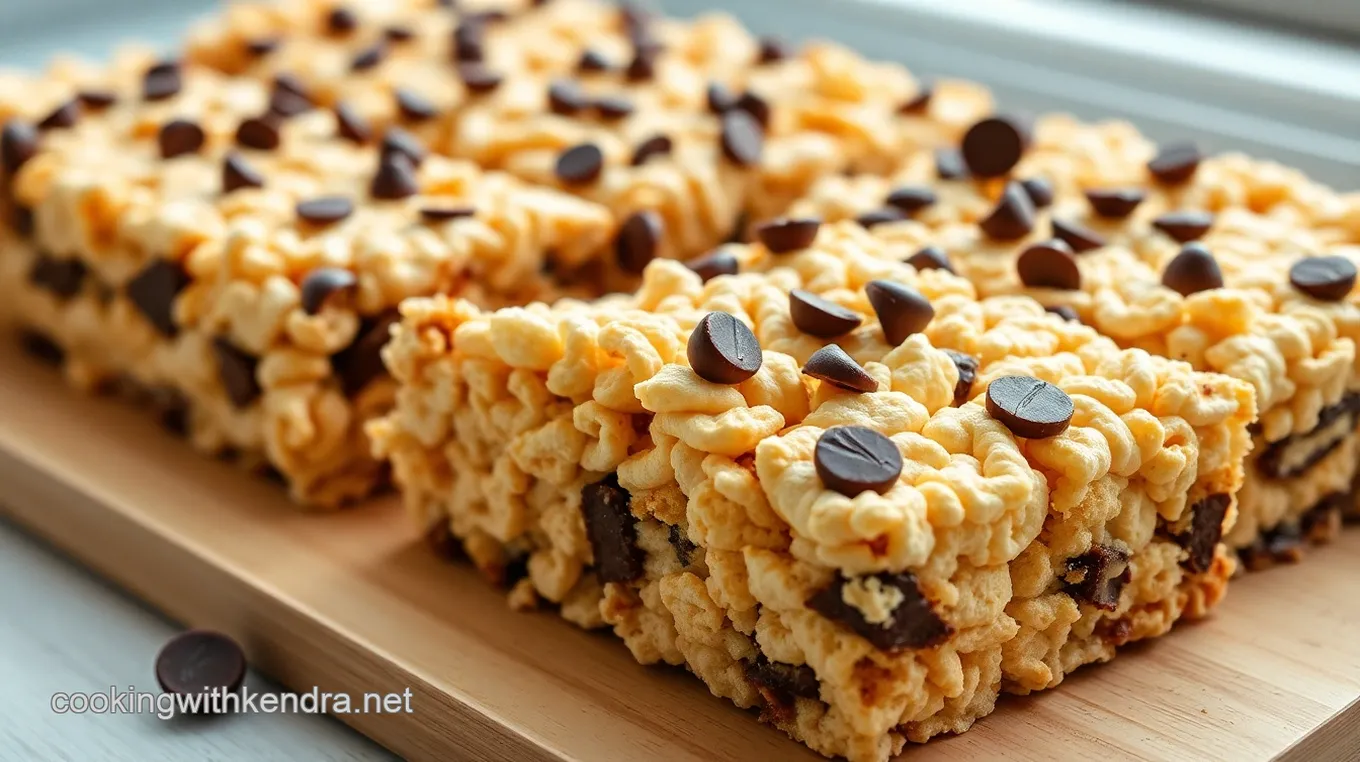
(967, 366)
(639, 240)
(902, 310)
(200, 661)
(361, 362)
(1185, 226)
(1175, 163)
(784, 235)
(1049, 264)
(1098, 576)
(1013, 215)
(63, 116)
(237, 173)
(324, 210)
(580, 165)
(913, 624)
(832, 365)
(992, 147)
(163, 80)
(1193, 270)
(853, 459)
(1029, 407)
(723, 350)
(612, 530)
(930, 258)
(153, 291)
(742, 140)
(236, 369)
(1115, 203)
(18, 144)
(1327, 279)
(1206, 529)
(395, 179)
(178, 137)
(1039, 190)
(1081, 238)
(783, 680)
(324, 283)
(60, 277)
(684, 549)
(821, 317)
(911, 199)
(656, 145)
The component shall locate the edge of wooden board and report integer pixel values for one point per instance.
(353, 602)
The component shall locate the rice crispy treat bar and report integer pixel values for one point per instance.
(1228, 263)
(869, 549)
(242, 268)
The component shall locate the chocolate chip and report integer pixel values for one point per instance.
(341, 20)
(772, 50)
(566, 97)
(395, 179)
(1039, 190)
(967, 366)
(742, 141)
(260, 132)
(1115, 203)
(1193, 270)
(350, 125)
(612, 531)
(902, 310)
(1327, 279)
(414, 107)
(18, 144)
(756, 106)
(469, 40)
(592, 61)
(875, 217)
(853, 459)
(580, 165)
(60, 277)
(930, 258)
(643, 65)
(1049, 265)
(784, 235)
(399, 141)
(62, 116)
(715, 263)
(1184, 227)
(289, 97)
(1175, 163)
(179, 137)
(993, 146)
(638, 240)
(446, 213)
(398, 33)
(153, 291)
(479, 79)
(369, 57)
(1206, 529)
(911, 199)
(325, 210)
(262, 46)
(949, 164)
(42, 347)
(1098, 576)
(913, 624)
(684, 549)
(920, 102)
(720, 99)
(1029, 407)
(322, 284)
(237, 173)
(361, 362)
(162, 81)
(1013, 216)
(832, 365)
(200, 662)
(723, 350)
(1282, 544)
(656, 145)
(613, 107)
(785, 681)
(97, 100)
(237, 371)
(820, 317)
(1079, 237)
(1065, 312)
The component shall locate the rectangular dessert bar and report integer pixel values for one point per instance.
(241, 266)
(1231, 264)
(832, 486)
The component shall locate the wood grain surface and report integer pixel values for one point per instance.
(353, 602)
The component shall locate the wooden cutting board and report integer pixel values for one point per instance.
(354, 602)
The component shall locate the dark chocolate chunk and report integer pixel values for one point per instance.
(1327, 279)
(784, 235)
(853, 459)
(1013, 216)
(395, 179)
(784, 680)
(361, 362)
(415, 107)
(1206, 529)
(639, 239)
(324, 210)
(930, 258)
(397, 140)
(1281, 544)
(580, 165)
(949, 164)
(592, 61)
(469, 41)
(993, 146)
(1175, 163)
(920, 102)
(1029, 407)
(656, 145)
(179, 137)
(612, 531)
(153, 291)
(613, 107)
(756, 106)
(479, 79)
(61, 117)
(832, 365)
(1193, 270)
(237, 372)
(566, 97)
(60, 277)
(260, 47)
(369, 57)
(715, 263)
(902, 310)
(97, 100)
(41, 346)
(684, 549)
(1065, 312)
(772, 50)
(323, 284)
(162, 81)
(1280, 461)
(397, 33)
(446, 213)
(289, 97)
(350, 125)
(1079, 237)
(723, 350)
(967, 366)
(742, 141)
(911, 199)
(914, 623)
(820, 317)
(341, 20)
(18, 144)
(1098, 576)
(875, 217)
(200, 662)
(1185, 227)
(260, 132)
(1115, 203)
(1049, 265)
(720, 99)
(237, 173)
(1039, 190)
